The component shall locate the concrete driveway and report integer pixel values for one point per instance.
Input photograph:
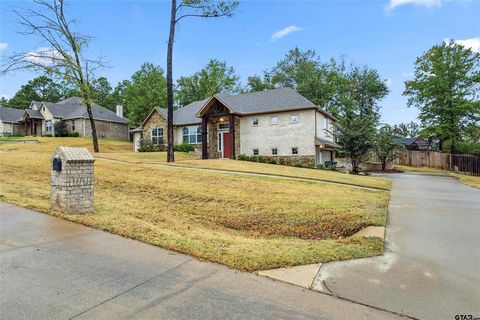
(54, 269)
(431, 267)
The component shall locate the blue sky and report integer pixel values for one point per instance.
(385, 35)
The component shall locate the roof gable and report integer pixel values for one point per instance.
(73, 108)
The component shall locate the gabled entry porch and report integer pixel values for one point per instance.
(220, 130)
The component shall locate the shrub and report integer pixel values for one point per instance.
(242, 157)
(147, 146)
(261, 159)
(47, 135)
(254, 158)
(184, 147)
(272, 161)
(73, 134)
(320, 166)
(60, 129)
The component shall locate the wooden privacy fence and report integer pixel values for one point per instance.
(464, 163)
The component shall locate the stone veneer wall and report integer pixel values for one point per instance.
(213, 138)
(156, 120)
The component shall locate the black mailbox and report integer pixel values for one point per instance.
(57, 164)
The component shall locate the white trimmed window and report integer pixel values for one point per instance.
(192, 134)
(48, 125)
(72, 125)
(254, 122)
(274, 120)
(274, 151)
(325, 123)
(294, 118)
(255, 152)
(157, 136)
(294, 150)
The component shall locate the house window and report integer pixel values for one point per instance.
(325, 123)
(192, 134)
(48, 125)
(254, 122)
(274, 120)
(223, 126)
(72, 125)
(157, 136)
(294, 150)
(255, 152)
(294, 118)
(274, 151)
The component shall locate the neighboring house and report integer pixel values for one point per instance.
(278, 122)
(414, 143)
(10, 121)
(39, 119)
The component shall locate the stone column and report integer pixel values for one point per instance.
(72, 180)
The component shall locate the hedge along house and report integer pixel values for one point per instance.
(39, 119)
(274, 123)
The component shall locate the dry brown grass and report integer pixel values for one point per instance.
(244, 222)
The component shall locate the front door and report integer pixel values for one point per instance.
(227, 141)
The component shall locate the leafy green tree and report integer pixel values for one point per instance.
(41, 88)
(359, 93)
(146, 89)
(386, 147)
(406, 130)
(257, 83)
(446, 91)
(185, 9)
(101, 91)
(215, 77)
(118, 95)
(304, 72)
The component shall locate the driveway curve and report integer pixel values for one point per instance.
(431, 265)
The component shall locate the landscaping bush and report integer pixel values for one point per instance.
(184, 147)
(60, 129)
(73, 134)
(47, 135)
(147, 146)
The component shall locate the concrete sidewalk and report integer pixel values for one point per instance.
(54, 269)
(431, 265)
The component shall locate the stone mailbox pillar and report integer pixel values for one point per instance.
(72, 180)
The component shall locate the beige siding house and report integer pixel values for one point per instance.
(274, 123)
(40, 117)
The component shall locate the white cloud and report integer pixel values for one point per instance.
(284, 32)
(3, 46)
(407, 74)
(472, 43)
(43, 56)
(425, 3)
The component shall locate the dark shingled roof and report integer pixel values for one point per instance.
(266, 101)
(73, 108)
(274, 100)
(11, 115)
(34, 114)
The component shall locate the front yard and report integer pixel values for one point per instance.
(245, 222)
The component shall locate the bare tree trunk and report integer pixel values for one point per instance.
(94, 129)
(171, 39)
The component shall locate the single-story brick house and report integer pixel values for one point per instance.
(277, 123)
(39, 119)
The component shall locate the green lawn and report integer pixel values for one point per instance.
(245, 222)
